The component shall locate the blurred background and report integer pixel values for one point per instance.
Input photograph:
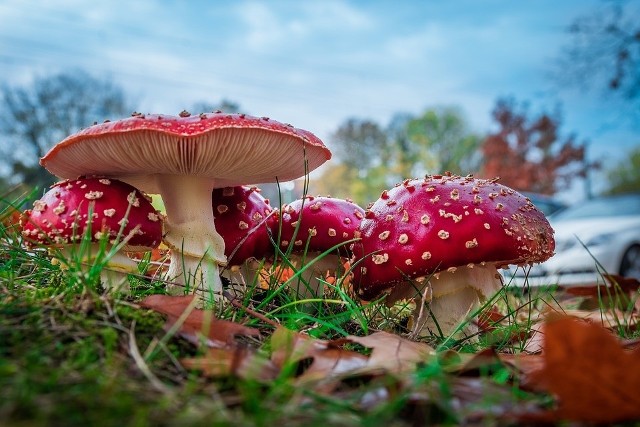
(544, 94)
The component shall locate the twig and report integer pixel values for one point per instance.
(234, 302)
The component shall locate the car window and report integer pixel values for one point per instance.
(605, 206)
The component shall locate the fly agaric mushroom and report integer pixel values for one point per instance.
(183, 159)
(243, 218)
(313, 225)
(444, 237)
(108, 209)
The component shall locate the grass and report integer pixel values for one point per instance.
(72, 354)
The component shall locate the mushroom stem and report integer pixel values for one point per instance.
(310, 282)
(113, 274)
(452, 296)
(196, 247)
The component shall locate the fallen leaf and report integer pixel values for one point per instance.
(525, 364)
(196, 323)
(535, 340)
(609, 319)
(626, 284)
(239, 362)
(329, 361)
(593, 378)
(277, 275)
(10, 218)
(489, 319)
(393, 353)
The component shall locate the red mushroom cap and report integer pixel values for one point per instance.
(228, 149)
(324, 222)
(243, 218)
(423, 226)
(61, 215)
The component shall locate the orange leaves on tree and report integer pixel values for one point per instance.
(529, 155)
(593, 377)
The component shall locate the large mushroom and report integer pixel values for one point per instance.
(442, 239)
(114, 216)
(183, 159)
(313, 225)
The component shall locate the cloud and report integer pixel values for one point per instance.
(268, 26)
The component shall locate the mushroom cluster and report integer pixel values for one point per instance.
(113, 216)
(183, 159)
(441, 239)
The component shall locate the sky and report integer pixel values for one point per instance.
(316, 63)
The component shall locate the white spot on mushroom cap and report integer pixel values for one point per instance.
(133, 199)
(39, 206)
(60, 209)
(470, 244)
(380, 258)
(93, 195)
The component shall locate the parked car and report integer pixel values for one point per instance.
(596, 236)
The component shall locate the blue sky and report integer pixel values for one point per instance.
(316, 63)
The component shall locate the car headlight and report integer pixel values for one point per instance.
(600, 239)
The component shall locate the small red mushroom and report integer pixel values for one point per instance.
(183, 159)
(108, 209)
(313, 225)
(244, 219)
(444, 237)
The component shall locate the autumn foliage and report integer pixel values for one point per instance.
(528, 154)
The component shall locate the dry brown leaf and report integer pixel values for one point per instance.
(526, 364)
(535, 340)
(609, 319)
(393, 353)
(488, 319)
(240, 362)
(198, 323)
(329, 361)
(587, 369)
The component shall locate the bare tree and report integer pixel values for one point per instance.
(33, 118)
(605, 52)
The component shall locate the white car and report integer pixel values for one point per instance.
(595, 237)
